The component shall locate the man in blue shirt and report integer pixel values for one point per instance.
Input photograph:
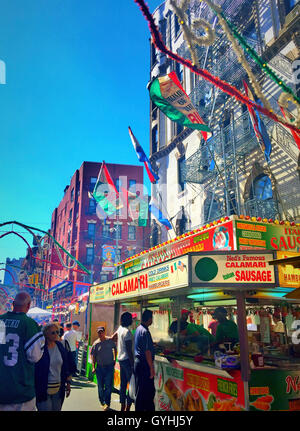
(144, 365)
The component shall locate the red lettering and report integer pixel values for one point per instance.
(130, 287)
(289, 240)
(136, 283)
(113, 289)
(291, 384)
(143, 281)
(273, 244)
(282, 243)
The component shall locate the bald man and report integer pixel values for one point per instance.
(23, 347)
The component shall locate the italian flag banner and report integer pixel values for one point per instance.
(169, 96)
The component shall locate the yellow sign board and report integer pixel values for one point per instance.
(170, 275)
(288, 275)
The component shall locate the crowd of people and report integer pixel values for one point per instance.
(37, 363)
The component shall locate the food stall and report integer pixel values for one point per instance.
(262, 369)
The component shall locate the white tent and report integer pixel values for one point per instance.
(37, 312)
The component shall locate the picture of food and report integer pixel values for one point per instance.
(193, 401)
(223, 405)
(175, 394)
(263, 403)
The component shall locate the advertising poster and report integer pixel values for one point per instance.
(253, 235)
(233, 268)
(172, 274)
(108, 258)
(184, 389)
(274, 390)
(214, 238)
(288, 275)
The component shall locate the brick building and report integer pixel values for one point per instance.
(81, 228)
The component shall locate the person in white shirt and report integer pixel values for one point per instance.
(71, 336)
(125, 357)
(76, 326)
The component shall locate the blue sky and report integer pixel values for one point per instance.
(76, 76)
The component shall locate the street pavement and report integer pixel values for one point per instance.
(84, 397)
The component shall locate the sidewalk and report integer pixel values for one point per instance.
(84, 397)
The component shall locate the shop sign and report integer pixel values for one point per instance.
(108, 258)
(274, 390)
(183, 389)
(173, 274)
(215, 238)
(252, 235)
(64, 291)
(288, 275)
(233, 269)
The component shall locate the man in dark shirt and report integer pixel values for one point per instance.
(104, 354)
(182, 323)
(144, 365)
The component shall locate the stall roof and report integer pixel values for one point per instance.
(294, 261)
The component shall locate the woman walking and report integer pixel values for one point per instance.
(52, 374)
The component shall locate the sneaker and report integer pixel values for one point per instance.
(105, 407)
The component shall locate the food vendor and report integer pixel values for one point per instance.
(199, 335)
(182, 323)
(227, 330)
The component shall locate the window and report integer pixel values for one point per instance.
(89, 254)
(153, 55)
(179, 71)
(130, 252)
(176, 25)
(69, 237)
(131, 233)
(70, 215)
(72, 194)
(91, 230)
(103, 278)
(262, 188)
(93, 181)
(118, 255)
(117, 233)
(132, 185)
(154, 139)
(92, 206)
(106, 231)
(181, 165)
(118, 184)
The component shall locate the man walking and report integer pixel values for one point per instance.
(71, 336)
(79, 339)
(21, 348)
(104, 353)
(143, 365)
(125, 358)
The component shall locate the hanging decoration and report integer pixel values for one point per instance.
(233, 35)
(224, 86)
(253, 54)
(168, 95)
(190, 37)
(56, 245)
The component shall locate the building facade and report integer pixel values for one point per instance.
(87, 233)
(202, 181)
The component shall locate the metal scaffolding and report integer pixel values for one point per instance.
(223, 163)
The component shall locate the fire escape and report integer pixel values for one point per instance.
(221, 164)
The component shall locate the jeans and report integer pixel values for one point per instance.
(28, 406)
(74, 354)
(145, 390)
(52, 403)
(105, 378)
(125, 374)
